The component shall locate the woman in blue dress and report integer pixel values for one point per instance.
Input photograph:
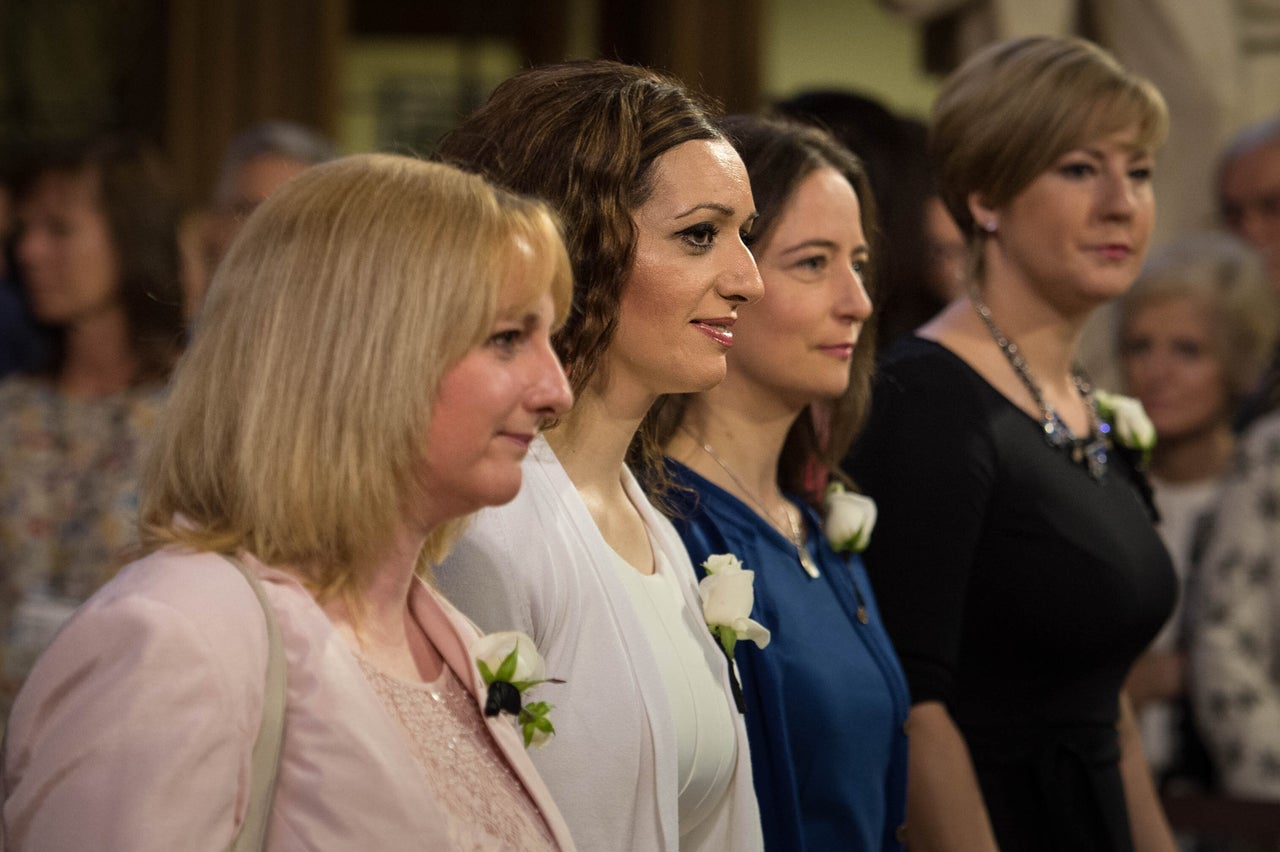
(825, 700)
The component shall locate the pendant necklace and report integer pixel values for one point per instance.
(1091, 452)
(796, 537)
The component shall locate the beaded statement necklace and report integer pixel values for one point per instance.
(1090, 451)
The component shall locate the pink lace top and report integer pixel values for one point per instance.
(487, 805)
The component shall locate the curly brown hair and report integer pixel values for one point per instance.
(584, 136)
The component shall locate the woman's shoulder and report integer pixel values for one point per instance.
(922, 383)
(920, 361)
(700, 508)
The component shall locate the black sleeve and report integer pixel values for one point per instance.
(928, 459)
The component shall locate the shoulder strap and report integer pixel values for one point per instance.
(266, 748)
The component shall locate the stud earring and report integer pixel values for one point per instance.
(989, 226)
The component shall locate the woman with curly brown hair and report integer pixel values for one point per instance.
(650, 751)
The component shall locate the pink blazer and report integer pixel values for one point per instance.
(135, 729)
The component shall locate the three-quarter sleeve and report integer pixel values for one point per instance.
(928, 460)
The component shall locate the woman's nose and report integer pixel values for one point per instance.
(741, 281)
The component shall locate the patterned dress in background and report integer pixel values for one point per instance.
(68, 503)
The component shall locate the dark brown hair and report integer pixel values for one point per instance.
(779, 155)
(584, 136)
(134, 193)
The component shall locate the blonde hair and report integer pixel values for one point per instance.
(295, 423)
(1012, 109)
(1229, 279)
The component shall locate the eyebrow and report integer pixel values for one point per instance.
(822, 243)
(723, 209)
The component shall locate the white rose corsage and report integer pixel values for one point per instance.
(850, 519)
(509, 664)
(1128, 422)
(728, 593)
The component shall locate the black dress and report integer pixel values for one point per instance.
(1017, 589)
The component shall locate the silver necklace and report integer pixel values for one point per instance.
(1090, 451)
(796, 538)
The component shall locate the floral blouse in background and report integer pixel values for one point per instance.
(68, 504)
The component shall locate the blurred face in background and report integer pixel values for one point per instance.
(1250, 201)
(252, 184)
(1172, 362)
(947, 251)
(69, 263)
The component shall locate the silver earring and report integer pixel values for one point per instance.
(989, 226)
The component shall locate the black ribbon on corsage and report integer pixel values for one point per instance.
(503, 695)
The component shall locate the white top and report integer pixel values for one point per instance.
(1182, 505)
(704, 725)
(539, 564)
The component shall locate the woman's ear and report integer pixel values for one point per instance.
(984, 215)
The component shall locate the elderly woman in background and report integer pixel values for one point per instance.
(651, 752)
(99, 257)
(753, 454)
(1015, 561)
(372, 363)
(1196, 330)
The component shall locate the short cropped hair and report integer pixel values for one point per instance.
(1012, 109)
(295, 424)
(271, 138)
(1229, 279)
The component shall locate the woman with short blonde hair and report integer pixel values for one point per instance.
(1015, 559)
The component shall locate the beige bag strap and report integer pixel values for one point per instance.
(252, 836)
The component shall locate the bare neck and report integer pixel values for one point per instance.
(384, 630)
(98, 360)
(1200, 456)
(591, 444)
(744, 432)
(591, 441)
(1046, 340)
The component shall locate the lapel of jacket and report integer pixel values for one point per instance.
(452, 634)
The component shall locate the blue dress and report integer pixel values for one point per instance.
(826, 701)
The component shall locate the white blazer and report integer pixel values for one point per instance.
(540, 565)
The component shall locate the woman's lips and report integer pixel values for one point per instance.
(1114, 251)
(520, 439)
(843, 351)
(719, 329)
